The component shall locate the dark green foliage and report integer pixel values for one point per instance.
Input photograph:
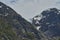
(6, 31)
(30, 35)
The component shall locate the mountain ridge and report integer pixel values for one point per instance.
(14, 26)
(49, 23)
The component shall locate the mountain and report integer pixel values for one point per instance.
(14, 27)
(48, 22)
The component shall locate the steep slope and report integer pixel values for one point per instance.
(15, 27)
(48, 22)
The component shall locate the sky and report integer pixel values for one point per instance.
(30, 8)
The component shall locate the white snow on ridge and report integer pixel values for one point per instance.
(38, 27)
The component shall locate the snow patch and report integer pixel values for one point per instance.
(1, 6)
(38, 27)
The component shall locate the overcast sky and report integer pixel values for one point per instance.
(30, 8)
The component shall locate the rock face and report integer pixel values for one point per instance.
(15, 27)
(49, 23)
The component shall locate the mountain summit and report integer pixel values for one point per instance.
(48, 22)
(15, 27)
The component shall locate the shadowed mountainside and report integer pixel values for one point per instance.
(48, 22)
